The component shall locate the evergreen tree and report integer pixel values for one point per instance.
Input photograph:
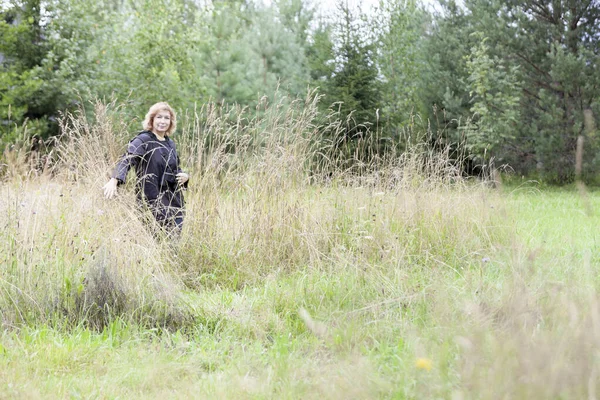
(282, 58)
(446, 93)
(225, 63)
(399, 28)
(296, 16)
(556, 46)
(495, 92)
(547, 53)
(343, 66)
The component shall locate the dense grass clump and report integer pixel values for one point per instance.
(299, 273)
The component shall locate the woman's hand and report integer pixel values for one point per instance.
(110, 189)
(182, 178)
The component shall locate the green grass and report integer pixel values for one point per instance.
(562, 219)
(370, 323)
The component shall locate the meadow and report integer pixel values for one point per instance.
(295, 276)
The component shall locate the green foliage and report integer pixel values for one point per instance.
(495, 94)
(244, 52)
(399, 29)
(296, 16)
(531, 80)
(23, 48)
(558, 55)
(144, 51)
(221, 54)
(47, 68)
(281, 55)
(143, 54)
(343, 67)
(445, 93)
(508, 80)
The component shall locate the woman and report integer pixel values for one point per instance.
(159, 179)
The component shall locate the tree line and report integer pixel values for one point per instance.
(507, 82)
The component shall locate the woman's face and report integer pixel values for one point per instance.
(161, 122)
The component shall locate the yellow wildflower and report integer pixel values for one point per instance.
(424, 363)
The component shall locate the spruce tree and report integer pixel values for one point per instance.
(399, 27)
(343, 66)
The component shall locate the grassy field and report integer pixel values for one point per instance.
(397, 282)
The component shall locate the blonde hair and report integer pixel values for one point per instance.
(155, 109)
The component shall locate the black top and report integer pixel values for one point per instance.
(156, 165)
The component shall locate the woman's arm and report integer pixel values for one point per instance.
(135, 152)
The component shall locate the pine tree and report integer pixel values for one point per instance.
(547, 52)
(343, 66)
(496, 94)
(282, 58)
(399, 27)
(557, 49)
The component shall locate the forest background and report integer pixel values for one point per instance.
(507, 82)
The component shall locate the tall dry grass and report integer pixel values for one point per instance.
(266, 195)
(68, 256)
(269, 193)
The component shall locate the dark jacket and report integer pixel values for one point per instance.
(156, 165)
